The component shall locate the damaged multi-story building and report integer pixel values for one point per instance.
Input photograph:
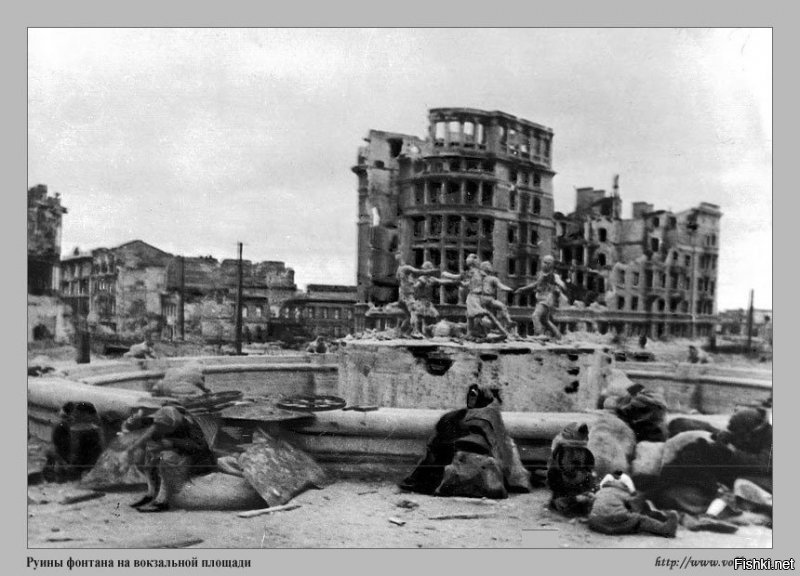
(209, 290)
(136, 289)
(654, 273)
(482, 182)
(323, 310)
(48, 318)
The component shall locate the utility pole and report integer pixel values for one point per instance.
(750, 323)
(181, 317)
(239, 306)
(692, 226)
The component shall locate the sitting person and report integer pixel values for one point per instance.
(171, 438)
(570, 472)
(471, 453)
(617, 510)
(317, 346)
(141, 351)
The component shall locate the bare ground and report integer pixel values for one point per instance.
(345, 514)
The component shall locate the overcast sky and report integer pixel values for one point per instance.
(193, 139)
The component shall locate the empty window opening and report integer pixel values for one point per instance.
(487, 226)
(471, 227)
(654, 244)
(537, 206)
(395, 147)
(439, 134)
(436, 226)
(469, 132)
(634, 303)
(534, 265)
(379, 164)
(620, 302)
(601, 259)
(512, 200)
(451, 260)
(602, 234)
(512, 234)
(435, 256)
(454, 165)
(419, 227)
(419, 193)
(471, 193)
(537, 180)
(523, 203)
(454, 225)
(434, 192)
(487, 194)
(512, 266)
(534, 237)
(454, 193)
(454, 129)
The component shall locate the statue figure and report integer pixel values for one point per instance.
(406, 277)
(473, 278)
(424, 296)
(549, 287)
(491, 284)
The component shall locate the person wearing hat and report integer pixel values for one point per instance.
(617, 510)
(548, 288)
(170, 437)
(570, 471)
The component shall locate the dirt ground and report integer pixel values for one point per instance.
(345, 514)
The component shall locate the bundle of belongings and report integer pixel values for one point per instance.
(699, 467)
(471, 454)
(173, 451)
(645, 411)
(715, 480)
(182, 382)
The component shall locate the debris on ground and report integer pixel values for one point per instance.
(397, 521)
(76, 498)
(253, 513)
(408, 504)
(461, 516)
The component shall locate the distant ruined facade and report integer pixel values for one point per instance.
(48, 318)
(482, 182)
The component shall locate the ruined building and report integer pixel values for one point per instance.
(44, 240)
(135, 289)
(655, 273)
(323, 310)
(47, 316)
(480, 182)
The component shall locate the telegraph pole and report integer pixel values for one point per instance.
(181, 317)
(750, 323)
(239, 306)
(693, 226)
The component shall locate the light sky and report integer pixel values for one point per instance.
(193, 139)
